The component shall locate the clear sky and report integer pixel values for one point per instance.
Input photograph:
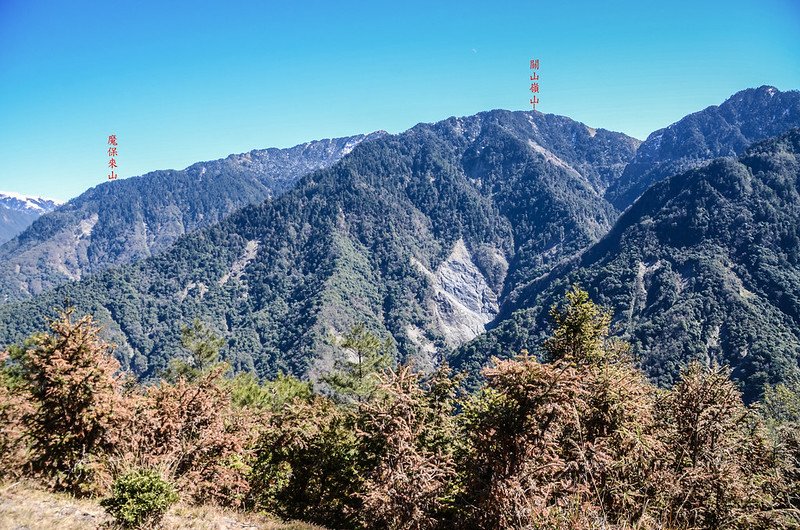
(181, 82)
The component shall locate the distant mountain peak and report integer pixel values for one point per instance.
(18, 211)
(140, 216)
(33, 203)
(410, 234)
(704, 265)
(720, 130)
(767, 89)
(763, 90)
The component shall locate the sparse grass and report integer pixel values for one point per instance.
(23, 505)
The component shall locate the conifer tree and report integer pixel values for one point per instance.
(580, 330)
(203, 348)
(75, 388)
(355, 375)
(577, 431)
(407, 442)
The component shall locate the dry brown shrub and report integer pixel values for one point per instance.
(406, 435)
(516, 465)
(578, 431)
(618, 447)
(190, 431)
(720, 469)
(76, 391)
(15, 404)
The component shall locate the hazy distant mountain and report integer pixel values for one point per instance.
(18, 211)
(706, 264)
(127, 220)
(725, 130)
(421, 235)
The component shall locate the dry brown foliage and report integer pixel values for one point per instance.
(76, 393)
(191, 431)
(515, 454)
(15, 404)
(568, 445)
(583, 441)
(406, 435)
(546, 436)
(720, 471)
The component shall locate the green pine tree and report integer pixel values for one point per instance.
(580, 331)
(355, 375)
(203, 348)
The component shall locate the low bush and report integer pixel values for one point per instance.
(139, 498)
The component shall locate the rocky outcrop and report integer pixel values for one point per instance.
(461, 300)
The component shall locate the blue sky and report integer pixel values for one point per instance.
(180, 82)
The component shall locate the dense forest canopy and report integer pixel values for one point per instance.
(431, 236)
(703, 266)
(421, 235)
(125, 221)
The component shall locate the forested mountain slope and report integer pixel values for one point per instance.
(421, 235)
(693, 141)
(126, 220)
(706, 264)
(725, 130)
(18, 211)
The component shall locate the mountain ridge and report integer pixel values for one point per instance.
(684, 283)
(429, 237)
(126, 220)
(18, 211)
(726, 129)
(385, 236)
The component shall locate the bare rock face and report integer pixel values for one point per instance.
(705, 265)
(419, 236)
(462, 302)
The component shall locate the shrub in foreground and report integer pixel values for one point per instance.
(14, 407)
(75, 389)
(191, 428)
(406, 438)
(139, 498)
(305, 464)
